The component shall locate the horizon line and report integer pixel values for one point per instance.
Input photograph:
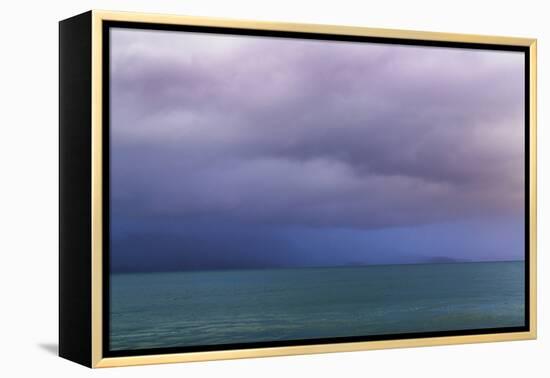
(311, 267)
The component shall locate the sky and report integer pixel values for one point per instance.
(238, 152)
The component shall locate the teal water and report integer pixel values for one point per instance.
(155, 310)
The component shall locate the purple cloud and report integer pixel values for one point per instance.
(311, 133)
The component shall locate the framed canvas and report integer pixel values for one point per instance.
(236, 189)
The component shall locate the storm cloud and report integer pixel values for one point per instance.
(266, 136)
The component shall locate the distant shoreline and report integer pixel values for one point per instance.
(350, 266)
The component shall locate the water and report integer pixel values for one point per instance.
(154, 310)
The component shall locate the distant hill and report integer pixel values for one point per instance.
(443, 260)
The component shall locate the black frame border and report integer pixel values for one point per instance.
(107, 25)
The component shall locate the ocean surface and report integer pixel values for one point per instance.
(155, 310)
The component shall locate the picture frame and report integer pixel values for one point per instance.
(88, 104)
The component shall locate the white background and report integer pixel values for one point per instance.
(29, 189)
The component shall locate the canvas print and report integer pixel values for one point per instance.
(269, 190)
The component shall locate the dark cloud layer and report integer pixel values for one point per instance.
(300, 133)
